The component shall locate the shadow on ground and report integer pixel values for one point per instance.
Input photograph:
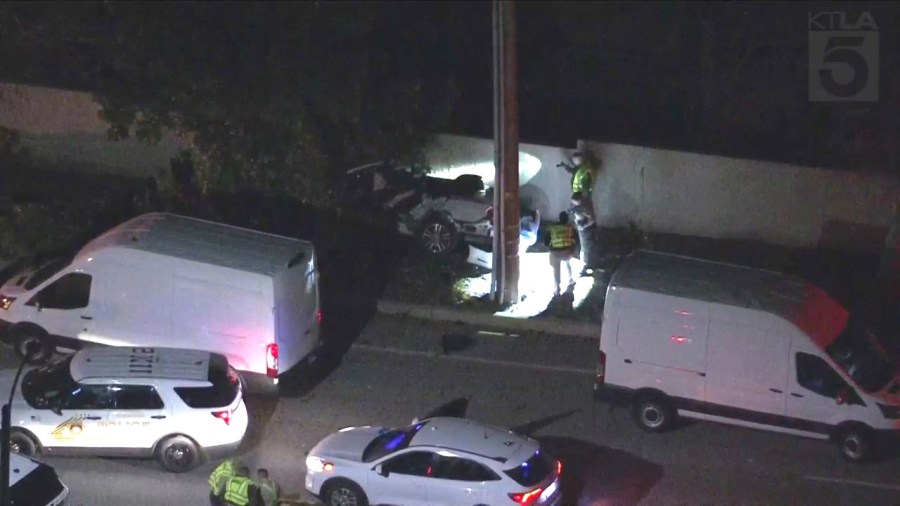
(595, 475)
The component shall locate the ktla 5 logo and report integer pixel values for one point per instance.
(843, 57)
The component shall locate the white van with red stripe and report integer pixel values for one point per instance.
(730, 344)
(162, 280)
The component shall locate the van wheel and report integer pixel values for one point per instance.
(177, 454)
(31, 344)
(22, 443)
(855, 444)
(653, 413)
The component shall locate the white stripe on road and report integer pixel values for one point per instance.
(853, 482)
(480, 360)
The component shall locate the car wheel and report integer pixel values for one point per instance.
(653, 413)
(31, 344)
(855, 444)
(22, 443)
(344, 493)
(437, 235)
(177, 454)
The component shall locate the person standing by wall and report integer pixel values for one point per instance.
(562, 243)
(583, 213)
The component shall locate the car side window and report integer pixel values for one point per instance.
(454, 468)
(136, 397)
(412, 463)
(87, 397)
(814, 374)
(72, 291)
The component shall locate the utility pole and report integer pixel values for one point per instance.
(505, 277)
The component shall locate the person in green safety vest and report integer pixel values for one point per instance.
(240, 489)
(268, 488)
(583, 170)
(562, 243)
(217, 479)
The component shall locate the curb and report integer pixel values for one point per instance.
(438, 313)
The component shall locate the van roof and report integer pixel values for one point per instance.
(802, 303)
(203, 241)
(128, 362)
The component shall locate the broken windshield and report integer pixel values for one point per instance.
(863, 357)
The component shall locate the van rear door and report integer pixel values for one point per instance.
(297, 308)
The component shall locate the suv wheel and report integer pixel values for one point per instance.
(437, 235)
(22, 443)
(177, 454)
(344, 493)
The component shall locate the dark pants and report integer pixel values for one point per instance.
(591, 253)
(215, 501)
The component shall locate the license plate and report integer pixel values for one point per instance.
(547, 494)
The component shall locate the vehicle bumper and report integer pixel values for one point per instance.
(313, 484)
(261, 384)
(612, 394)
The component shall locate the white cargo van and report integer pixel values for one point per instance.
(719, 342)
(162, 280)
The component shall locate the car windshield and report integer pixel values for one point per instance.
(532, 471)
(390, 442)
(42, 387)
(863, 357)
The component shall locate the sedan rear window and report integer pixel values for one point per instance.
(222, 392)
(532, 471)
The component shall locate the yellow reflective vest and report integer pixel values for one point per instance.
(582, 181)
(562, 236)
(220, 476)
(237, 490)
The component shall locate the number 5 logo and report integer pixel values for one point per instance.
(843, 64)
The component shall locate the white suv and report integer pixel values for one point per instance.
(176, 405)
(438, 461)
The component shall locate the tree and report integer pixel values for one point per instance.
(272, 96)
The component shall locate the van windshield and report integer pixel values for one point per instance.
(46, 271)
(863, 357)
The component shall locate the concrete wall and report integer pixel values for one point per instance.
(64, 128)
(699, 195)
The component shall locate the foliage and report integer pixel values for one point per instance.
(272, 96)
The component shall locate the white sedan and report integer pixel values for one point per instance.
(437, 461)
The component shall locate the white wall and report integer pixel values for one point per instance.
(701, 195)
(64, 127)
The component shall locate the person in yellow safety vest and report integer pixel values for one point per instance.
(268, 488)
(584, 166)
(562, 244)
(218, 478)
(240, 489)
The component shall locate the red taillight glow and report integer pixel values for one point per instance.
(272, 360)
(319, 317)
(527, 498)
(600, 378)
(558, 468)
(679, 339)
(225, 416)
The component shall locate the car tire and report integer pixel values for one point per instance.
(34, 337)
(437, 235)
(344, 493)
(855, 444)
(177, 454)
(23, 444)
(653, 413)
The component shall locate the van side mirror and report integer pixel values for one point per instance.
(843, 396)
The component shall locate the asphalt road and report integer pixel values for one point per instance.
(540, 385)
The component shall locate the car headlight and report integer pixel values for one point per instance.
(5, 302)
(318, 465)
(889, 412)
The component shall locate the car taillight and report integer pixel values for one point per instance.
(5, 302)
(319, 317)
(558, 468)
(225, 416)
(600, 378)
(272, 360)
(527, 498)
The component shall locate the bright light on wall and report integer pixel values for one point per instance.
(529, 165)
